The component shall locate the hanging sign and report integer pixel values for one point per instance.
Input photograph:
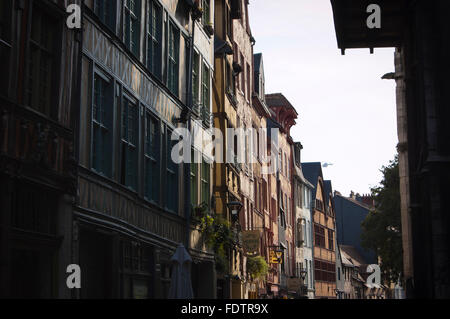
(251, 241)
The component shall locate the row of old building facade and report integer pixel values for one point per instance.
(86, 172)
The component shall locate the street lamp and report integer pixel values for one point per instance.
(235, 208)
(303, 273)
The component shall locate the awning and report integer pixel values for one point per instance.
(350, 21)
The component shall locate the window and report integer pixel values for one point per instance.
(106, 12)
(5, 44)
(230, 80)
(304, 233)
(308, 234)
(132, 25)
(205, 87)
(330, 239)
(152, 158)
(264, 195)
(319, 205)
(300, 234)
(236, 56)
(37, 213)
(154, 38)
(195, 79)
(129, 143)
(194, 181)
(228, 22)
(42, 62)
(206, 198)
(206, 83)
(242, 75)
(325, 271)
(206, 12)
(171, 175)
(319, 236)
(102, 125)
(249, 83)
(173, 58)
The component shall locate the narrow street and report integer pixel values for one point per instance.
(224, 149)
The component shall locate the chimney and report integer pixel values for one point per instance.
(368, 200)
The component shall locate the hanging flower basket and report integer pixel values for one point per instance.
(257, 267)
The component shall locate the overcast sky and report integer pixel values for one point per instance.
(347, 114)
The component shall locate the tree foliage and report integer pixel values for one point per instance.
(381, 230)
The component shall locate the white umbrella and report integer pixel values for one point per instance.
(180, 285)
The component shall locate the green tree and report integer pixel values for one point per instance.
(381, 230)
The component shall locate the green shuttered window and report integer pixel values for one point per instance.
(106, 11)
(171, 176)
(205, 180)
(129, 162)
(152, 158)
(173, 58)
(102, 124)
(154, 38)
(132, 25)
(41, 62)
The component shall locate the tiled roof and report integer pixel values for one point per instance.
(351, 254)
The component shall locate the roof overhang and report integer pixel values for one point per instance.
(350, 22)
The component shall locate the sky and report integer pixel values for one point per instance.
(347, 113)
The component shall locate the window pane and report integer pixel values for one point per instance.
(5, 45)
(206, 12)
(152, 159)
(205, 183)
(171, 176)
(132, 25)
(173, 57)
(154, 39)
(195, 79)
(129, 144)
(41, 61)
(106, 11)
(102, 110)
(194, 180)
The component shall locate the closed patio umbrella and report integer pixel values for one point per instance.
(181, 285)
